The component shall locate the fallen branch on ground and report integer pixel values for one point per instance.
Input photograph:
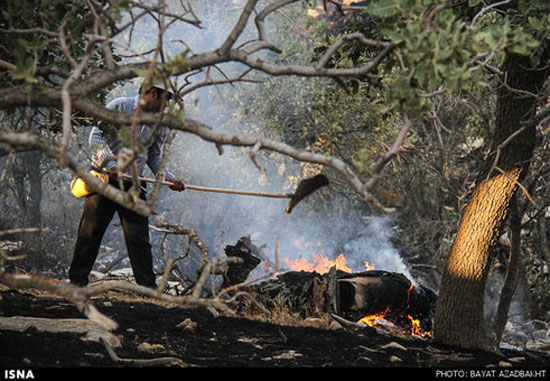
(146, 362)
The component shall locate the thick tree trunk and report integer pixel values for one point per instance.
(460, 309)
(459, 316)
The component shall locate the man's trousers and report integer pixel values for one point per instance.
(98, 213)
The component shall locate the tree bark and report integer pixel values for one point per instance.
(512, 273)
(33, 217)
(28, 188)
(459, 316)
(545, 257)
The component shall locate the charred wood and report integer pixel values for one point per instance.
(238, 271)
(350, 296)
(384, 293)
(300, 293)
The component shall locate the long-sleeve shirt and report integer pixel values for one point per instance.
(104, 146)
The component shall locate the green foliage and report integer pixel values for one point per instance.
(27, 51)
(177, 64)
(435, 172)
(347, 118)
(383, 8)
(445, 49)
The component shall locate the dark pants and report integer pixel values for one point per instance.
(98, 213)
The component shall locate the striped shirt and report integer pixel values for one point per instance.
(104, 146)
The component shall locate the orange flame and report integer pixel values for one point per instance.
(379, 320)
(321, 264)
(369, 266)
(375, 320)
(416, 330)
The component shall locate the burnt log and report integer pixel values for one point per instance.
(238, 271)
(350, 296)
(391, 295)
(300, 293)
(388, 295)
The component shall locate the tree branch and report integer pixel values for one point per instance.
(29, 141)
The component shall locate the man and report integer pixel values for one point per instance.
(99, 210)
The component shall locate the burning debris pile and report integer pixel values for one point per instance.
(377, 298)
(373, 298)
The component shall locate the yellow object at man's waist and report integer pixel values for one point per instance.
(79, 187)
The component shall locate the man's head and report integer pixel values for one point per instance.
(155, 97)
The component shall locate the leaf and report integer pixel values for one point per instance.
(395, 37)
(142, 72)
(520, 49)
(382, 8)
(473, 3)
(536, 24)
(443, 54)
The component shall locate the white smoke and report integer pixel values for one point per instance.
(221, 220)
(374, 244)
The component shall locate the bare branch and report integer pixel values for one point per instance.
(28, 141)
(75, 92)
(487, 9)
(172, 228)
(143, 362)
(238, 29)
(64, 289)
(308, 71)
(349, 37)
(376, 168)
(260, 18)
(22, 230)
(7, 65)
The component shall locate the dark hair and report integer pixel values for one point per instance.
(160, 91)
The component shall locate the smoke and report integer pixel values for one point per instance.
(220, 220)
(375, 245)
(324, 223)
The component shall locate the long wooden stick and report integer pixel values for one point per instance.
(215, 190)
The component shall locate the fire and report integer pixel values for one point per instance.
(369, 266)
(416, 330)
(380, 320)
(375, 320)
(321, 264)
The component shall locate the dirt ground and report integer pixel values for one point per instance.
(195, 338)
